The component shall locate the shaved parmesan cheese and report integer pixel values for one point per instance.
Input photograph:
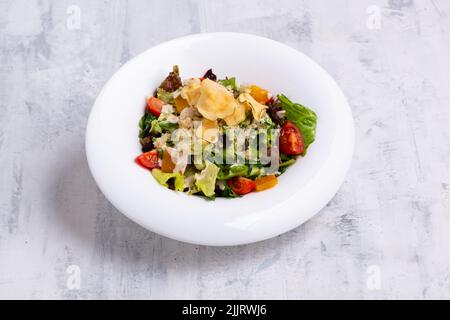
(238, 116)
(258, 109)
(191, 91)
(215, 101)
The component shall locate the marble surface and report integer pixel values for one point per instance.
(386, 234)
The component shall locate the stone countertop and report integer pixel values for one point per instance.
(386, 234)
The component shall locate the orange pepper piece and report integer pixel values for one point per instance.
(265, 183)
(167, 165)
(259, 94)
(180, 104)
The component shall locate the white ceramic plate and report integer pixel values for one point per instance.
(112, 141)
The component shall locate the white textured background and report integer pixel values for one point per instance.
(386, 234)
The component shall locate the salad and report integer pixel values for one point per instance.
(216, 138)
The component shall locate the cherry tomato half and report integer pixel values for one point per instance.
(241, 185)
(291, 140)
(154, 106)
(148, 160)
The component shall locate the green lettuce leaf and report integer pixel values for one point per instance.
(229, 83)
(284, 165)
(287, 163)
(165, 96)
(160, 126)
(163, 178)
(145, 124)
(254, 172)
(235, 170)
(227, 192)
(304, 118)
(206, 180)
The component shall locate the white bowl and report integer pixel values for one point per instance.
(112, 141)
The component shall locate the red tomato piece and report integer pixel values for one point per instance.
(154, 106)
(291, 140)
(241, 185)
(149, 160)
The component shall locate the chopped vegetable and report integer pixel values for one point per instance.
(145, 137)
(180, 104)
(206, 180)
(254, 172)
(159, 126)
(146, 143)
(163, 179)
(167, 165)
(276, 112)
(266, 183)
(234, 170)
(225, 191)
(259, 94)
(291, 140)
(173, 81)
(145, 124)
(149, 160)
(241, 186)
(229, 83)
(305, 119)
(287, 163)
(154, 106)
(163, 95)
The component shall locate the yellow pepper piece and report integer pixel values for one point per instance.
(265, 183)
(259, 94)
(167, 165)
(180, 104)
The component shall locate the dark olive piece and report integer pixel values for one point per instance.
(147, 144)
(276, 112)
(210, 75)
